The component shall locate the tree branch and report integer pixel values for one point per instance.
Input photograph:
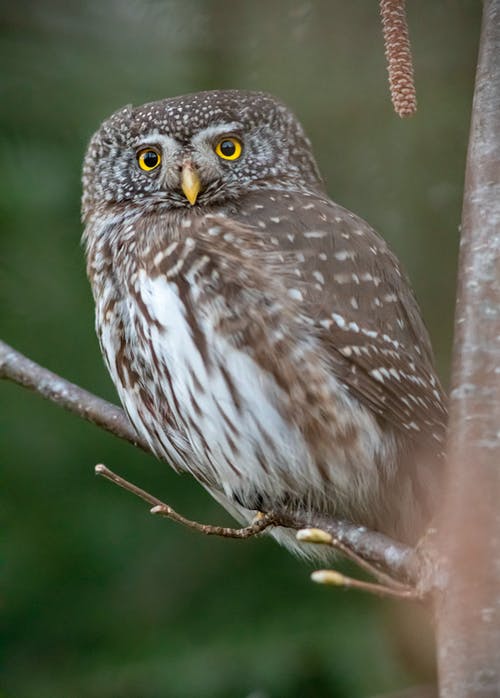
(377, 551)
(17, 368)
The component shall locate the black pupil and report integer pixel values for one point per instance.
(150, 159)
(227, 148)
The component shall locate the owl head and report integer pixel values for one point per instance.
(198, 150)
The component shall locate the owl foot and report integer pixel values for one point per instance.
(259, 516)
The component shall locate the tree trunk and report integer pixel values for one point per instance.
(468, 613)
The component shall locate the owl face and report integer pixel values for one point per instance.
(194, 151)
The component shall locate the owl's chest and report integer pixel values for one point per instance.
(202, 404)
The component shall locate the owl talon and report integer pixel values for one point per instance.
(258, 517)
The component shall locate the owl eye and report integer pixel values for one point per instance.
(148, 159)
(228, 148)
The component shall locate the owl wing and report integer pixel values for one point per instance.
(362, 304)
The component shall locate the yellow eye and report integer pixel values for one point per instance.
(148, 159)
(228, 148)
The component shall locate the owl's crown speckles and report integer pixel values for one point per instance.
(182, 117)
(274, 147)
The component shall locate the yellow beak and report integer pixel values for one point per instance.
(190, 183)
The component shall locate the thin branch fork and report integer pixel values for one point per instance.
(394, 565)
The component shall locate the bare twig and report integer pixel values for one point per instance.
(334, 578)
(395, 558)
(399, 561)
(166, 510)
(398, 54)
(319, 537)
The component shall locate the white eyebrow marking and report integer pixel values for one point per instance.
(211, 131)
(157, 138)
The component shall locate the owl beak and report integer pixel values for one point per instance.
(190, 183)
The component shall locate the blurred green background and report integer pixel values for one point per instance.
(100, 599)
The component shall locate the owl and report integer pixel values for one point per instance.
(260, 336)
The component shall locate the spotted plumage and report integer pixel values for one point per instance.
(260, 336)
